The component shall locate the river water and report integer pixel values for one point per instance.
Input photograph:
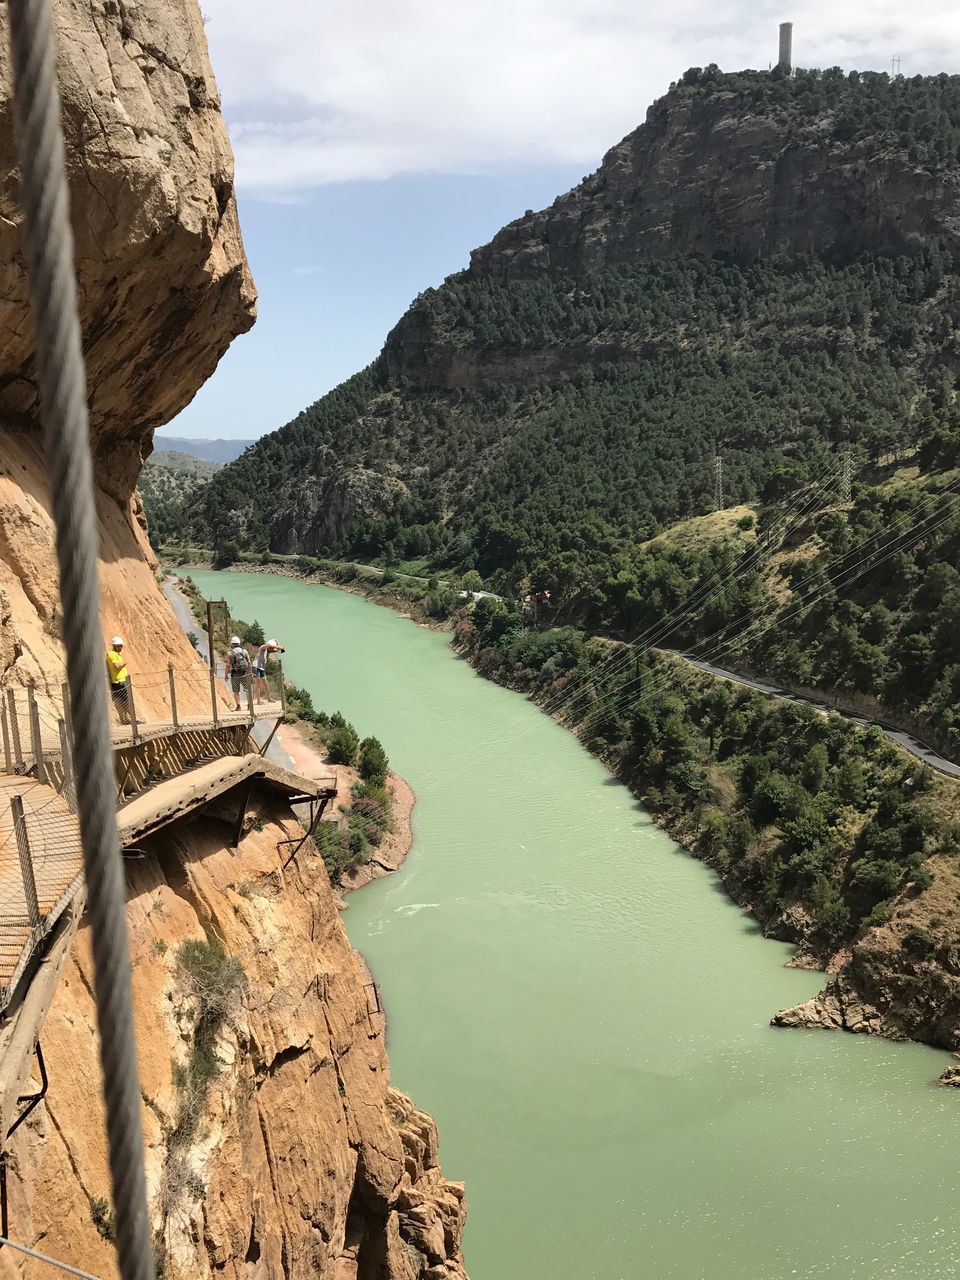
(586, 1014)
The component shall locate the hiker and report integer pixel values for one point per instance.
(260, 668)
(119, 676)
(238, 669)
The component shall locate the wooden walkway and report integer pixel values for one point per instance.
(50, 839)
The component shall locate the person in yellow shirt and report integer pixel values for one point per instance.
(117, 672)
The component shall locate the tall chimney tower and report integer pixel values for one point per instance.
(785, 62)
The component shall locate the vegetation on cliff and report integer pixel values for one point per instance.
(826, 830)
(167, 481)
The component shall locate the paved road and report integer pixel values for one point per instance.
(901, 738)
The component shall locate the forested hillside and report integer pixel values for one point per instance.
(767, 267)
(169, 478)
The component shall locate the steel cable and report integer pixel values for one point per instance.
(48, 242)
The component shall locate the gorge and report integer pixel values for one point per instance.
(587, 1013)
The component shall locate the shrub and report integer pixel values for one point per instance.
(918, 942)
(227, 554)
(215, 981)
(373, 761)
(342, 745)
(300, 705)
(103, 1217)
(369, 810)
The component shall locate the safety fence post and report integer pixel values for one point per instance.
(14, 727)
(65, 694)
(283, 692)
(7, 753)
(26, 863)
(213, 697)
(34, 716)
(173, 694)
(131, 709)
(249, 681)
(68, 792)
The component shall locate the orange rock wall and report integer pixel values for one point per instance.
(305, 1163)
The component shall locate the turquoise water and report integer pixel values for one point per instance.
(586, 1014)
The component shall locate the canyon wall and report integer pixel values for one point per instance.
(302, 1161)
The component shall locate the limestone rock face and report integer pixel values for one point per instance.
(320, 511)
(304, 1162)
(164, 283)
(703, 175)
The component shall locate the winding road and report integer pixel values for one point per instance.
(898, 736)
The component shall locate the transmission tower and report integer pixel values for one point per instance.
(846, 477)
(717, 479)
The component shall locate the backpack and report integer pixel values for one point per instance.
(239, 662)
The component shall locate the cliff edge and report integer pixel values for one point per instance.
(163, 278)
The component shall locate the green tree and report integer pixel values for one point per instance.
(373, 762)
(342, 745)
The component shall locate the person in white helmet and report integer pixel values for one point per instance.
(238, 668)
(261, 688)
(119, 678)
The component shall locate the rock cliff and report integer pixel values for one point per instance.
(711, 173)
(302, 1161)
(164, 283)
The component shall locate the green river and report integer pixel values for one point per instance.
(586, 1013)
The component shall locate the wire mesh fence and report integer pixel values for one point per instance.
(41, 869)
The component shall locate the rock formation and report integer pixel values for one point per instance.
(705, 174)
(303, 1162)
(164, 283)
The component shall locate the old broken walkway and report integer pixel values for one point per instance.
(41, 864)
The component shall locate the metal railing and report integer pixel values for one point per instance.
(36, 736)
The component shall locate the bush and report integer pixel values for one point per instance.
(214, 980)
(342, 745)
(373, 761)
(103, 1217)
(300, 705)
(918, 942)
(227, 554)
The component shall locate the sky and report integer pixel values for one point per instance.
(378, 141)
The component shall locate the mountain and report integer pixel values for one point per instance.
(207, 450)
(767, 267)
(167, 480)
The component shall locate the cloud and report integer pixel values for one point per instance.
(369, 89)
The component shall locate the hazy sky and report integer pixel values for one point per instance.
(378, 141)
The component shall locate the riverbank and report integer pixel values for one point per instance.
(880, 925)
(403, 593)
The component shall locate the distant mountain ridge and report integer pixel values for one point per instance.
(208, 450)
